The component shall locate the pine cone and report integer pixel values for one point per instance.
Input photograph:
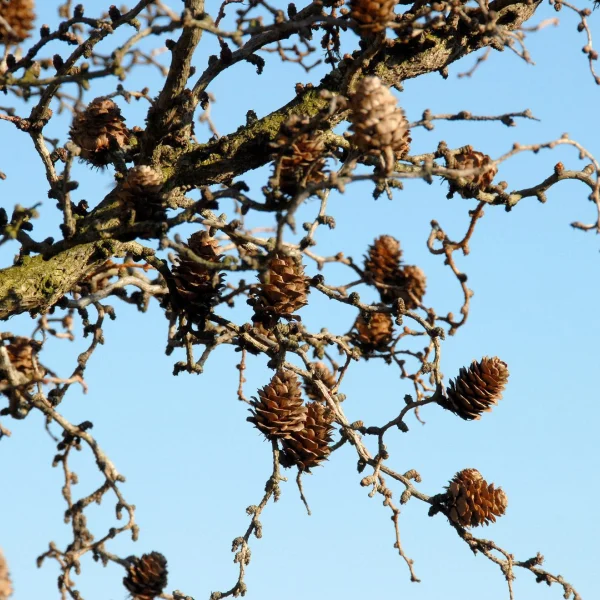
(412, 286)
(309, 446)
(323, 374)
(379, 125)
(383, 264)
(147, 577)
(141, 191)
(5, 583)
(477, 389)
(279, 412)
(99, 129)
(284, 290)
(20, 17)
(472, 502)
(472, 159)
(372, 15)
(375, 333)
(300, 155)
(20, 352)
(199, 286)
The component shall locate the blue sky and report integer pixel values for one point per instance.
(193, 463)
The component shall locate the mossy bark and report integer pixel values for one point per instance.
(37, 284)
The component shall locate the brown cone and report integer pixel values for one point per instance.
(20, 353)
(477, 388)
(379, 125)
(147, 576)
(372, 15)
(99, 129)
(299, 155)
(472, 502)
(141, 192)
(323, 374)
(199, 286)
(284, 289)
(472, 159)
(412, 286)
(383, 264)
(309, 446)
(375, 333)
(278, 411)
(20, 17)
(5, 583)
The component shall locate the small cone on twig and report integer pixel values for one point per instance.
(383, 263)
(472, 159)
(284, 289)
(411, 286)
(147, 576)
(20, 18)
(472, 502)
(323, 374)
(299, 155)
(310, 446)
(372, 15)
(6, 589)
(199, 285)
(21, 352)
(477, 389)
(379, 125)
(278, 411)
(141, 191)
(99, 130)
(374, 332)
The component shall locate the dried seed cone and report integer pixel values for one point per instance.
(310, 446)
(284, 288)
(199, 286)
(383, 264)
(278, 411)
(321, 373)
(379, 125)
(20, 17)
(98, 130)
(299, 155)
(412, 286)
(5, 583)
(141, 191)
(147, 576)
(375, 333)
(472, 159)
(20, 353)
(477, 388)
(372, 15)
(143, 180)
(472, 502)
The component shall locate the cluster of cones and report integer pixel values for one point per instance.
(394, 281)
(470, 501)
(304, 430)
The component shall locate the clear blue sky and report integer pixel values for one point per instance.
(193, 463)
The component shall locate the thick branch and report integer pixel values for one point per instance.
(248, 148)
